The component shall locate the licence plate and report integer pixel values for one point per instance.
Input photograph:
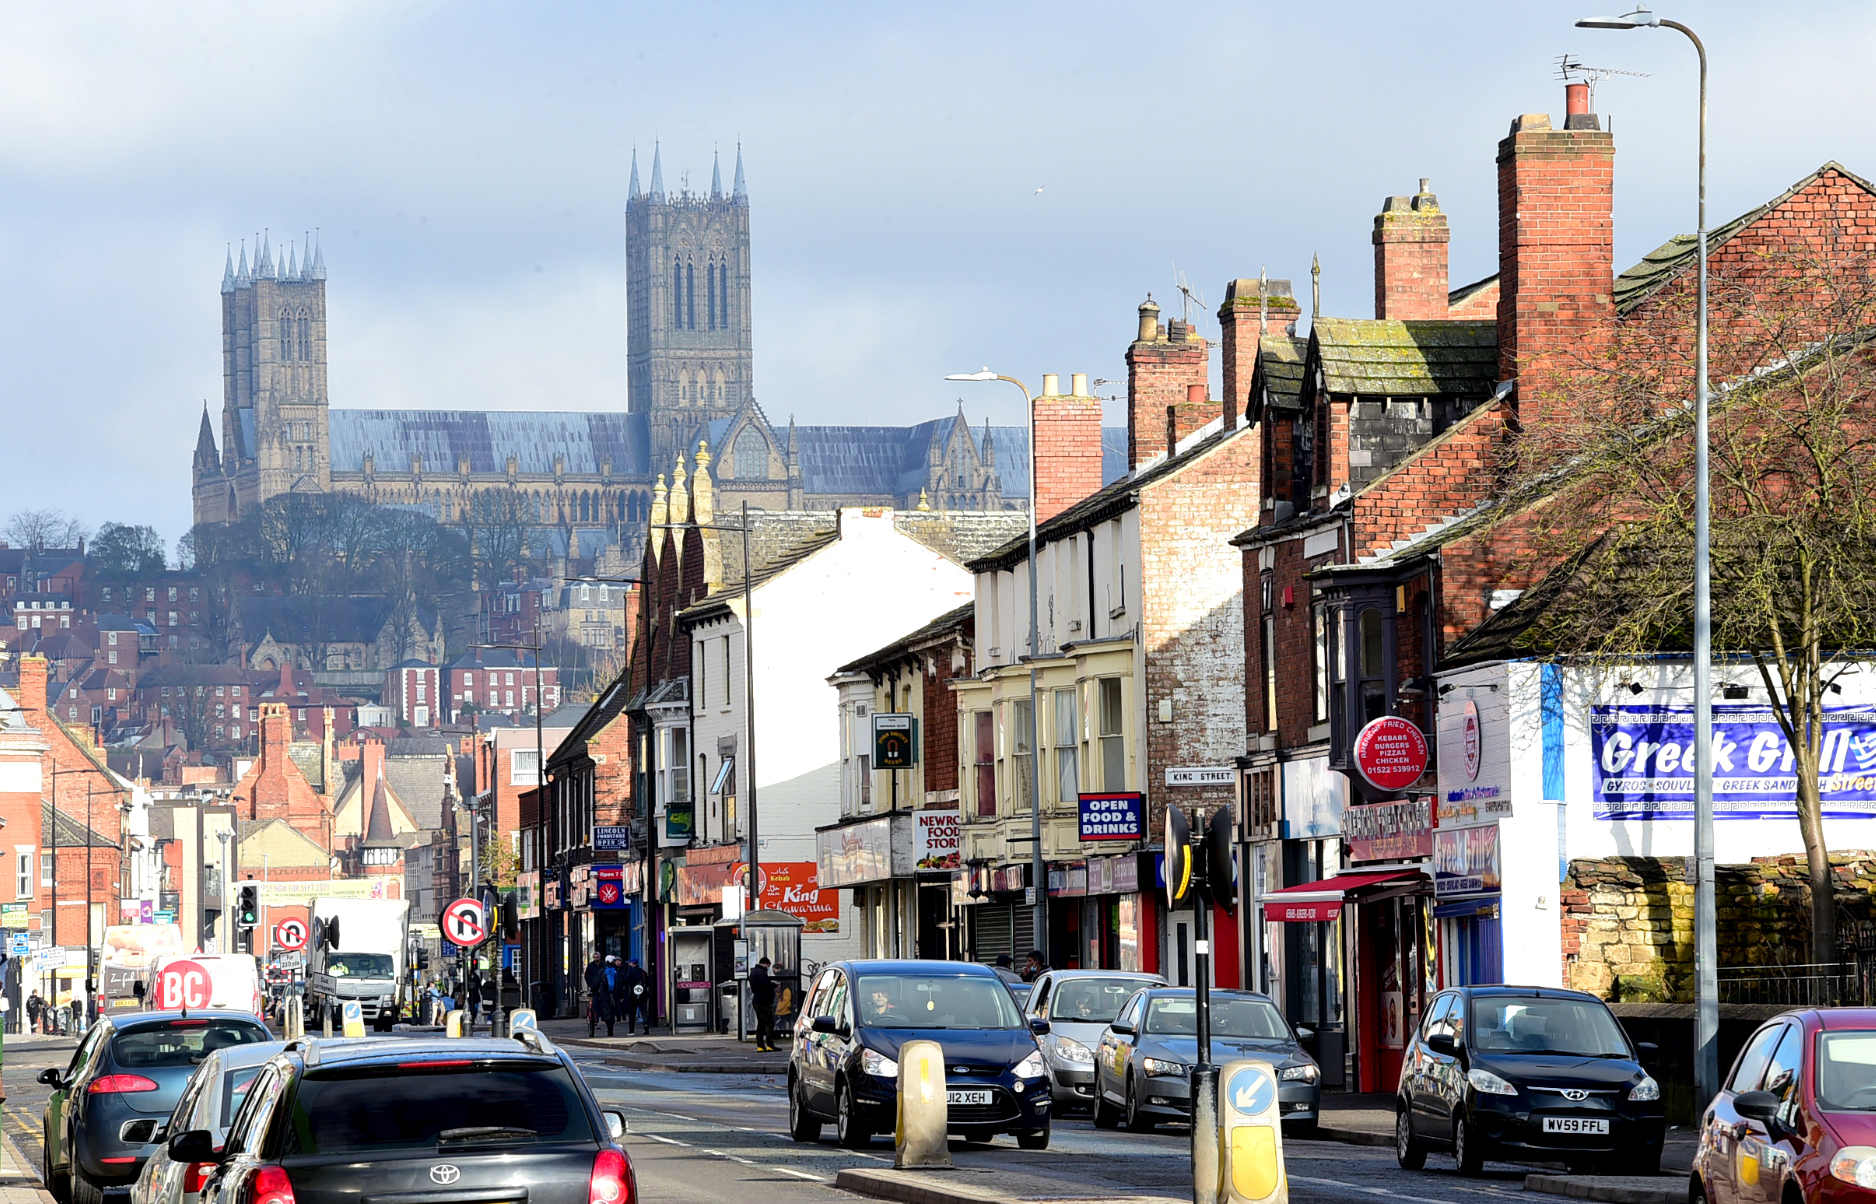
(955, 1096)
(1575, 1124)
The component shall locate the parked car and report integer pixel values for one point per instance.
(1534, 1072)
(130, 1068)
(209, 1102)
(844, 1068)
(333, 1121)
(1079, 1004)
(1022, 992)
(1796, 1118)
(1143, 1065)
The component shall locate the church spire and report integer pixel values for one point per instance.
(657, 175)
(318, 270)
(293, 263)
(242, 279)
(631, 192)
(264, 267)
(716, 176)
(227, 272)
(207, 459)
(738, 194)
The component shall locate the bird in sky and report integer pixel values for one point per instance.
(1038, 192)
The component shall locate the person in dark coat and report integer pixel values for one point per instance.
(597, 991)
(637, 997)
(762, 997)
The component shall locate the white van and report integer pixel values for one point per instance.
(236, 979)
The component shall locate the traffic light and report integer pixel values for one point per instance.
(1179, 867)
(1221, 868)
(248, 906)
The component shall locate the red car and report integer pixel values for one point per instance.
(1795, 1122)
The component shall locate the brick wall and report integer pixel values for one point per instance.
(1556, 246)
(1068, 451)
(1448, 475)
(274, 788)
(1160, 366)
(1410, 239)
(941, 711)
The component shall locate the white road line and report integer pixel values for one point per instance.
(782, 1170)
(666, 1140)
(1373, 1191)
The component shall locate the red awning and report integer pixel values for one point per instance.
(1323, 900)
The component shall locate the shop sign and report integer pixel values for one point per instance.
(1475, 764)
(13, 915)
(1390, 753)
(1112, 816)
(528, 895)
(1201, 775)
(702, 885)
(1312, 799)
(856, 853)
(1318, 910)
(1644, 762)
(138, 946)
(679, 822)
(607, 887)
(894, 741)
(1068, 881)
(937, 838)
(1126, 879)
(794, 887)
(1100, 875)
(1465, 861)
(550, 895)
(612, 838)
(1396, 831)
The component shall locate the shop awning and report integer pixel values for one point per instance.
(1323, 900)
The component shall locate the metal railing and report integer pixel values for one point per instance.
(1812, 984)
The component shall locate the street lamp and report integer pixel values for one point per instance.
(1706, 940)
(1037, 870)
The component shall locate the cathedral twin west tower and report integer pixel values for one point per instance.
(587, 476)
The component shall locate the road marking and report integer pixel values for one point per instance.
(798, 1174)
(1373, 1191)
(666, 1140)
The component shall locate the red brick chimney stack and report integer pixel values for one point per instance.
(1068, 445)
(1252, 308)
(1410, 238)
(32, 697)
(1556, 253)
(1161, 363)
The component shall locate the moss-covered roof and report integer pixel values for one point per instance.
(1277, 377)
(1381, 357)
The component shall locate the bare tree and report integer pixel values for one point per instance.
(37, 530)
(496, 522)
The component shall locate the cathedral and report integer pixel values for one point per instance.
(586, 478)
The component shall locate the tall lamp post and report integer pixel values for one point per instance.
(1038, 873)
(1706, 939)
(540, 775)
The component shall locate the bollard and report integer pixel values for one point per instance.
(1251, 1135)
(325, 1021)
(293, 1024)
(453, 1022)
(521, 1020)
(918, 1137)
(352, 1014)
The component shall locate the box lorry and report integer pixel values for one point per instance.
(360, 950)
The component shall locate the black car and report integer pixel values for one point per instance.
(1527, 1072)
(122, 1082)
(844, 1064)
(333, 1121)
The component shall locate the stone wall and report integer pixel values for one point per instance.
(1628, 922)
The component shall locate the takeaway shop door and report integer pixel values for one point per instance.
(1393, 982)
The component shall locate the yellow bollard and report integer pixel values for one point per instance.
(453, 1023)
(1252, 1134)
(293, 1024)
(918, 1137)
(352, 1014)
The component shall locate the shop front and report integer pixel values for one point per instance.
(994, 908)
(1095, 913)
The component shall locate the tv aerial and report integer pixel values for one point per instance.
(1572, 70)
(1187, 296)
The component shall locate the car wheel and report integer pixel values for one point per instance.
(59, 1186)
(848, 1128)
(1409, 1150)
(1468, 1149)
(1696, 1190)
(1038, 1140)
(803, 1125)
(84, 1191)
(1106, 1115)
(1137, 1120)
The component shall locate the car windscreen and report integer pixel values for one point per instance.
(1519, 1024)
(1846, 1071)
(436, 1107)
(234, 1089)
(180, 1042)
(1094, 1000)
(364, 965)
(1248, 1019)
(935, 1001)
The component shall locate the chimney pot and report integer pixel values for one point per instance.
(1149, 320)
(1078, 384)
(1051, 384)
(1576, 114)
(1195, 394)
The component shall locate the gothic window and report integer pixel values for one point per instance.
(677, 292)
(286, 336)
(723, 293)
(710, 293)
(683, 384)
(690, 295)
(305, 324)
(719, 385)
(752, 456)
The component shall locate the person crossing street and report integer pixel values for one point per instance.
(762, 997)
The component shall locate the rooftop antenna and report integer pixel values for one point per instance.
(1570, 70)
(1187, 296)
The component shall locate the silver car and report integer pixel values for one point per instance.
(1143, 1065)
(210, 1101)
(1079, 1004)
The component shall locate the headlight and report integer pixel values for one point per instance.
(1032, 1067)
(1070, 1050)
(1647, 1089)
(1855, 1164)
(1306, 1073)
(1161, 1066)
(879, 1064)
(1489, 1083)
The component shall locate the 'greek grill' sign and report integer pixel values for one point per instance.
(1644, 762)
(1112, 817)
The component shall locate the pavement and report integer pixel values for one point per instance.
(692, 1053)
(18, 1185)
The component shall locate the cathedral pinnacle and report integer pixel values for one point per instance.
(227, 272)
(716, 176)
(242, 279)
(738, 193)
(293, 263)
(631, 192)
(318, 270)
(657, 175)
(264, 267)
(924, 499)
(702, 490)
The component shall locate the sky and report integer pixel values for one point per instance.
(465, 165)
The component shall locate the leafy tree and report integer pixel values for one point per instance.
(124, 552)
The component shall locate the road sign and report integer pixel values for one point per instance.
(20, 946)
(183, 984)
(465, 923)
(352, 1018)
(1390, 753)
(892, 742)
(290, 934)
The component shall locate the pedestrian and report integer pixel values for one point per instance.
(636, 997)
(612, 990)
(1004, 969)
(762, 998)
(491, 996)
(1032, 966)
(34, 1006)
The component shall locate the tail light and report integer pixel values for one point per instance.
(120, 1084)
(611, 1182)
(196, 1176)
(269, 1185)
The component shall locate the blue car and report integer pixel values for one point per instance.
(120, 1086)
(844, 1064)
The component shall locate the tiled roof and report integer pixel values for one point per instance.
(942, 626)
(1381, 357)
(962, 535)
(1278, 375)
(487, 438)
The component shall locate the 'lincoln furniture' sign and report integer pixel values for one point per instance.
(1389, 831)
